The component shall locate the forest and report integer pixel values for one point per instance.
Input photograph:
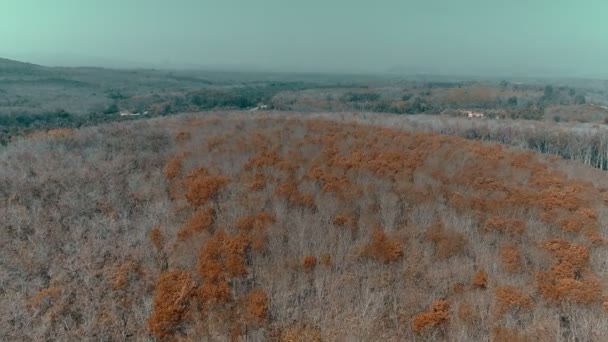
(297, 227)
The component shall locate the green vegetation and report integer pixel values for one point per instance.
(38, 98)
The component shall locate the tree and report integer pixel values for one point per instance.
(548, 92)
(419, 105)
(112, 109)
(580, 99)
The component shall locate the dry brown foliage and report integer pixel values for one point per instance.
(467, 314)
(480, 280)
(258, 183)
(301, 333)
(200, 221)
(259, 241)
(457, 289)
(382, 248)
(447, 243)
(439, 315)
(211, 269)
(326, 260)
(570, 280)
(52, 134)
(289, 191)
(500, 334)
(257, 306)
(220, 258)
(121, 276)
(201, 186)
(511, 258)
(309, 263)
(256, 222)
(344, 220)
(183, 136)
(509, 298)
(174, 167)
(506, 226)
(46, 295)
(214, 142)
(157, 238)
(171, 302)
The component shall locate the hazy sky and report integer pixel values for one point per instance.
(563, 37)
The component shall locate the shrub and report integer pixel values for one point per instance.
(480, 280)
(257, 306)
(309, 263)
(157, 238)
(508, 298)
(183, 136)
(439, 315)
(46, 295)
(257, 222)
(214, 142)
(174, 167)
(200, 221)
(343, 219)
(382, 248)
(301, 333)
(258, 183)
(467, 314)
(511, 259)
(121, 276)
(511, 227)
(447, 243)
(501, 334)
(326, 260)
(234, 255)
(289, 190)
(362, 97)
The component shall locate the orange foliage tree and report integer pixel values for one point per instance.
(439, 315)
(508, 298)
(171, 302)
(309, 263)
(201, 186)
(256, 307)
(570, 280)
(480, 280)
(383, 248)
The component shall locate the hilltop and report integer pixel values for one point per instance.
(296, 227)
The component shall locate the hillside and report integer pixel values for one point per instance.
(11, 66)
(36, 98)
(296, 227)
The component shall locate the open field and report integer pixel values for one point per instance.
(295, 226)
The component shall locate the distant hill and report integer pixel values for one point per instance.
(8, 65)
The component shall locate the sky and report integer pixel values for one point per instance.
(473, 37)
